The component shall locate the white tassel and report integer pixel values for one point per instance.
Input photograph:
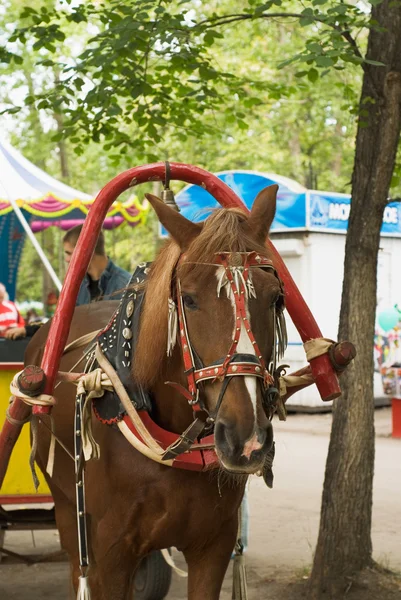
(84, 592)
(237, 274)
(222, 282)
(240, 282)
(250, 287)
(172, 326)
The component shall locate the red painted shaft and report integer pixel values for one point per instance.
(323, 372)
(326, 379)
(9, 434)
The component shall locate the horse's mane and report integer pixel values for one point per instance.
(226, 230)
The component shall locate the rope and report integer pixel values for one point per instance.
(52, 449)
(64, 447)
(141, 447)
(92, 385)
(313, 349)
(170, 561)
(13, 421)
(41, 400)
(317, 347)
(126, 402)
(81, 341)
(34, 431)
(90, 446)
(288, 381)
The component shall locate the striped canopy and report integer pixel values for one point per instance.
(44, 202)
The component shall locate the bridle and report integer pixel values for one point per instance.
(236, 276)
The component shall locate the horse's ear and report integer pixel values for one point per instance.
(262, 212)
(181, 229)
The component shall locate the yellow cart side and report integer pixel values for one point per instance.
(18, 486)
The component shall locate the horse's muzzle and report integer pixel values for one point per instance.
(242, 456)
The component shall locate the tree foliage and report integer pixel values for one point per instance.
(145, 68)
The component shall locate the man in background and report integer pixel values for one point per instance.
(9, 315)
(103, 280)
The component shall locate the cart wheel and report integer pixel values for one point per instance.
(152, 578)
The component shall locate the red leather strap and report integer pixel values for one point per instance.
(238, 284)
(233, 369)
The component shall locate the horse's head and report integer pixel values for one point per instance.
(227, 296)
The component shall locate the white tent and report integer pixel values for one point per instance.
(22, 180)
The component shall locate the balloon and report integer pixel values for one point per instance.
(388, 319)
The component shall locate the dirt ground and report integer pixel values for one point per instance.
(283, 525)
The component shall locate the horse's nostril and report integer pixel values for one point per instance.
(223, 436)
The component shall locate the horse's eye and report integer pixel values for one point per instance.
(274, 301)
(189, 302)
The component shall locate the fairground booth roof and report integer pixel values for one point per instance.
(44, 202)
(298, 209)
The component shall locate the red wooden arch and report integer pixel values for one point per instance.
(323, 372)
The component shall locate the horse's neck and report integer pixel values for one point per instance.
(172, 411)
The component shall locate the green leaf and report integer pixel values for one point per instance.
(374, 62)
(263, 8)
(313, 75)
(324, 61)
(305, 21)
(314, 47)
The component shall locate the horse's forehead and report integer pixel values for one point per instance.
(204, 276)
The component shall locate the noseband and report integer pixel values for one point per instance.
(236, 277)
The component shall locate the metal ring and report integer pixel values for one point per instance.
(167, 175)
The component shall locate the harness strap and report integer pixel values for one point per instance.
(185, 441)
(181, 389)
(79, 482)
(126, 402)
(233, 369)
(81, 341)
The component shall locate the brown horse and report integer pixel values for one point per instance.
(135, 505)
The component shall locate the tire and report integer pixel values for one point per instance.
(152, 578)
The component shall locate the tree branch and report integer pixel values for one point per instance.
(235, 17)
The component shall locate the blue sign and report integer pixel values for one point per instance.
(298, 209)
(330, 212)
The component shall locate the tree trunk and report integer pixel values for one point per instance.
(344, 544)
(62, 148)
